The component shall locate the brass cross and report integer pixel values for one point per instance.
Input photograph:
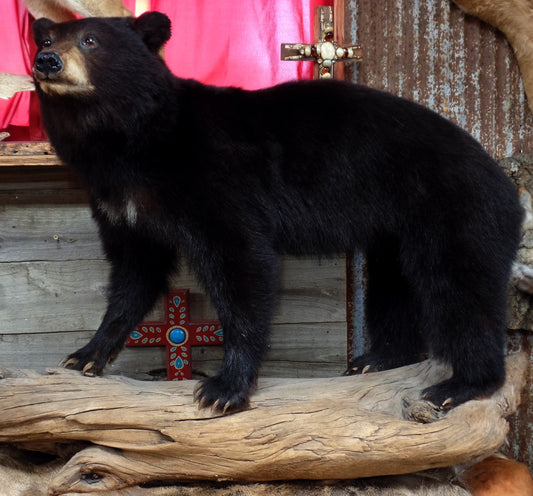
(326, 52)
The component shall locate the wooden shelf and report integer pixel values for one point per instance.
(27, 153)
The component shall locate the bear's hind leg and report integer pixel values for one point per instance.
(391, 313)
(464, 309)
(471, 339)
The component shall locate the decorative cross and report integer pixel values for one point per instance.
(178, 334)
(326, 51)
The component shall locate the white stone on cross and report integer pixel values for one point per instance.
(326, 52)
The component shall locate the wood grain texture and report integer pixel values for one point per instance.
(339, 428)
(23, 154)
(70, 295)
(296, 350)
(53, 290)
(23, 474)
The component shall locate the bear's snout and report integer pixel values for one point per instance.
(48, 64)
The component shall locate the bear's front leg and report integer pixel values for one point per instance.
(242, 285)
(139, 274)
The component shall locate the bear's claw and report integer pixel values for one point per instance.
(68, 362)
(376, 362)
(212, 392)
(89, 364)
(88, 369)
(204, 402)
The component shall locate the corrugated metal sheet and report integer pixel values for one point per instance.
(431, 52)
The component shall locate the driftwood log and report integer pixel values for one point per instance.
(24, 474)
(140, 433)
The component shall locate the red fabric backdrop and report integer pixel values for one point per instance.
(220, 42)
(17, 54)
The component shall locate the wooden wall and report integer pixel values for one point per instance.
(53, 279)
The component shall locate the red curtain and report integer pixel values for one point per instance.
(229, 43)
(220, 42)
(17, 54)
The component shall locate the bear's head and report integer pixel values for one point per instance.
(99, 57)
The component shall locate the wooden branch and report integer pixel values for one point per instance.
(23, 473)
(65, 10)
(13, 83)
(336, 428)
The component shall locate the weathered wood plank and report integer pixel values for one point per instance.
(67, 295)
(43, 350)
(320, 346)
(52, 296)
(22, 154)
(48, 232)
(296, 350)
(25, 148)
(53, 278)
(28, 161)
(51, 195)
(33, 186)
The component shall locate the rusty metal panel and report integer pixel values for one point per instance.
(431, 52)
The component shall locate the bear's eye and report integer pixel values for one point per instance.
(46, 43)
(89, 42)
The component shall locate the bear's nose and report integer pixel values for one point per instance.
(48, 63)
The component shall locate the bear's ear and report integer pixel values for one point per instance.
(153, 28)
(40, 27)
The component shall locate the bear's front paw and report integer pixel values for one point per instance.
(89, 363)
(222, 395)
(71, 362)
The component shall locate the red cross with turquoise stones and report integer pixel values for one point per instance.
(178, 334)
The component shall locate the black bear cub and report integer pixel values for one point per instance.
(233, 179)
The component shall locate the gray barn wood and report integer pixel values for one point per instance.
(53, 281)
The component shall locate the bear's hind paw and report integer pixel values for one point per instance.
(451, 393)
(374, 362)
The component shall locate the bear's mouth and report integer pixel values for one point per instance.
(61, 84)
(41, 77)
(61, 73)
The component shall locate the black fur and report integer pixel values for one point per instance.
(233, 179)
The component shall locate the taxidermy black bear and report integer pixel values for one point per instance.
(233, 179)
